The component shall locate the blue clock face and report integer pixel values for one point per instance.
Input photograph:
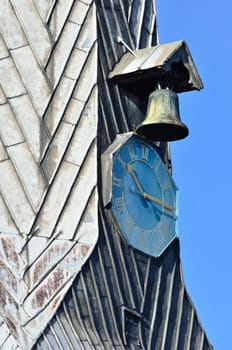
(144, 197)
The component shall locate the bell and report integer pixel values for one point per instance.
(162, 122)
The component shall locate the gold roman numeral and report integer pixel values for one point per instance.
(144, 152)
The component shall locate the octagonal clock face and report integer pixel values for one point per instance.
(144, 197)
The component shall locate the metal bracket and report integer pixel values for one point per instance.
(121, 41)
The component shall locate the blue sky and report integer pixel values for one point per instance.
(202, 164)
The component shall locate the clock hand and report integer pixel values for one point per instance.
(144, 194)
(156, 200)
(134, 177)
(129, 168)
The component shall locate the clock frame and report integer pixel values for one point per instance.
(143, 195)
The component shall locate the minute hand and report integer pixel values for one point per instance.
(134, 177)
(156, 200)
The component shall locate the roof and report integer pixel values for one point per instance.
(67, 278)
(149, 66)
(48, 115)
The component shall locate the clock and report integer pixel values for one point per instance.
(144, 197)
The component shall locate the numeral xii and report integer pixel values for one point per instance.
(144, 152)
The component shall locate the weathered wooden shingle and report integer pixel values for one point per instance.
(62, 51)
(7, 224)
(36, 32)
(3, 49)
(31, 124)
(80, 9)
(57, 149)
(11, 29)
(74, 111)
(62, 184)
(3, 154)
(15, 198)
(58, 104)
(45, 7)
(83, 89)
(84, 134)
(10, 130)
(10, 79)
(27, 170)
(79, 197)
(2, 97)
(33, 77)
(59, 17)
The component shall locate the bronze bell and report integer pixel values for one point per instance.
(162, 122)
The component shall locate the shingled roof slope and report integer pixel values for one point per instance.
(63, 263)
(48, 159)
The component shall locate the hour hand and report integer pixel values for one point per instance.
(158, 201)
(144, 194)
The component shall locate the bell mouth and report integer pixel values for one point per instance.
(163, 131)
